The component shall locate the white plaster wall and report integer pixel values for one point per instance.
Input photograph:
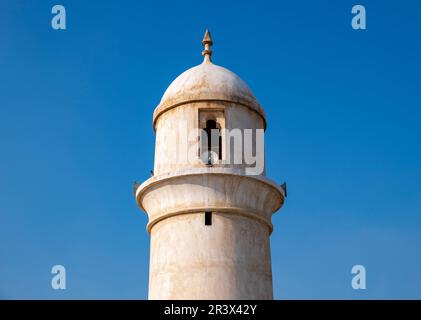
(228, 260)
(170, 141)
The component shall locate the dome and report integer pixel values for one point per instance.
(207, 82)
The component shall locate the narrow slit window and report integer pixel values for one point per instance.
(220, 146)
(208, 218)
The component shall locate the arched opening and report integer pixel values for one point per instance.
(212, 141)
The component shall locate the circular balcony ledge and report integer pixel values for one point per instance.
(224, 190)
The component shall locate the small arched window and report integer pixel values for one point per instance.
(211, 141)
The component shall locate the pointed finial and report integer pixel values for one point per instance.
(207, 43)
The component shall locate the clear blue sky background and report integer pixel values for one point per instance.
(344, 131)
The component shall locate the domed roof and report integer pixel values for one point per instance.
(207, 82)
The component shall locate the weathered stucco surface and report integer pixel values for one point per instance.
(228, 260)
(174, 125)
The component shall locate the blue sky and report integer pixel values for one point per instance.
(343, 110)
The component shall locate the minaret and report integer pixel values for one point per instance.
(209, 205)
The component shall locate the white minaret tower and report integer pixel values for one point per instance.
(209, 205)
